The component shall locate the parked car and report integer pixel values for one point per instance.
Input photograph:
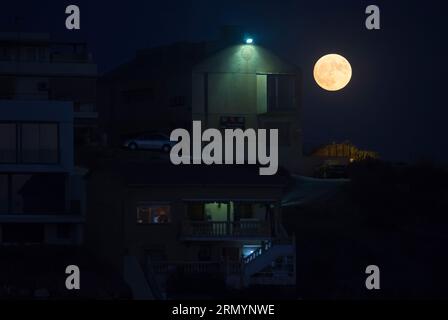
(150, 141)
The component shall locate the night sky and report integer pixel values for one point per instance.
(394, 104)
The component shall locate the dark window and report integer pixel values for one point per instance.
(30, 54)
(281, 92)
(177, 101)
(8, 143)
(6, 53)
(7, 87)
(195, 211)
(39, 143)
(4, 193)
(64, 231)
(38, 193)
(42, 54)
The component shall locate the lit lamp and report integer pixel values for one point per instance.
(249, 40)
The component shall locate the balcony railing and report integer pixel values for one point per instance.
(225, 229)
(194, 267)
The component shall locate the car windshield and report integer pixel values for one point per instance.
(154, 136)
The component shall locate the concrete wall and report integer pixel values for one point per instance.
(236, 82)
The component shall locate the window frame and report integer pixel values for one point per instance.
(276, 77)
(10, 194)
(18, 142)
(153, 204)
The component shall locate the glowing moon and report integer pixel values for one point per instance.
(332, 72)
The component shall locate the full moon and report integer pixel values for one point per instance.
(332, 72)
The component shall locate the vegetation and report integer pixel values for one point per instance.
(393, 216)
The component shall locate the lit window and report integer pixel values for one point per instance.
(153, 214)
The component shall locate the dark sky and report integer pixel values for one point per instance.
(395, 103)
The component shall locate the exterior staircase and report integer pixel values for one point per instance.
(264, 257)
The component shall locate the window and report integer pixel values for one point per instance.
(32, 193)
(64, 231)
(30, 54)
(8, 143)
(37, 193)
(42, 54)
(281, 92)
(39, 143)
(6, 53)
(7, 87)
(153, 214)
(4, 193)
(177, 101)
(195, 211)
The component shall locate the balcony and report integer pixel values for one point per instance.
(196, 267)
(225, 230)
(54, 67)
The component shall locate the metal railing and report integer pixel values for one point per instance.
(226, 229)
(284, 240)
(194, 267)
(258, 252)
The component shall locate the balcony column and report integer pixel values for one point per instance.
(228, 228)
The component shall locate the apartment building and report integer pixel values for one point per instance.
(225, 85)
(41, 193)
(47, 102)
(161, 225)
(33, 67)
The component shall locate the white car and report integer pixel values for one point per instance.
(150, 141)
